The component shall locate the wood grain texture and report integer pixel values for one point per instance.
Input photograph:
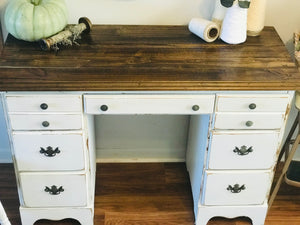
(148, 193)
(148, 58)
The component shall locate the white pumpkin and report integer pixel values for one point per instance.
(31, 20)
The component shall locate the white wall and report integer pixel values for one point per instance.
(283, 15)
(4, 144)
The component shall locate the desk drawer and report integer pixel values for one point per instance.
(149, 104)
(243, 150)
(252, 103)
(236, 188)
(45, 122)
(44, 103)
(246, 121)
(49, 151)
(40, 189)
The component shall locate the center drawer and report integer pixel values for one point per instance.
(54, 189)
(149, 104)
(49, 151)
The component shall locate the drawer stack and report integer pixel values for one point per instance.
(244, 143)
(51, 155)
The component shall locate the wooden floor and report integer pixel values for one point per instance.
(148, 194)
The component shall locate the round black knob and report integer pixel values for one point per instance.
(249, 123)
(104, 108)
(45, 124)
(252, 106)
(44, 106)
(195, 107)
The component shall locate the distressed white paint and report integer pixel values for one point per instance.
(55, 103)
(56, 121)
(196, 152)
(241, 103)
(84, 215)
(27, 146)
(257, 213)
(257, 184)
(33, 189)
(239, 120)
(264, 145)
(149, 104)
(119, 132)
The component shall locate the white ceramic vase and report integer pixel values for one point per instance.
(234, 27)
(218, 13)
(256, 17)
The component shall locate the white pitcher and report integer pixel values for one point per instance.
(218, 13)
(234, 28)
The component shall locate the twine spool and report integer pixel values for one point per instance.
(256, 17)
(71, 32)
(234, 28)
(205, 29)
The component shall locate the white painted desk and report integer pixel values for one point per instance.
(233, 141)
(225, 106)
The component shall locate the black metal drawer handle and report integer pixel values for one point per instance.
(195, 108)
(44, 106)
(243, 150)
(45, 124)
(54, 190)
(49, 151)
(104, 108)
(249, 123)
(236, 188)
(252, 106)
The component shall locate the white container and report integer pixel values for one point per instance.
(234, 28)
(256, 17)
(219, 13)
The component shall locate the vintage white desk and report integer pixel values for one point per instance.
(233, 100)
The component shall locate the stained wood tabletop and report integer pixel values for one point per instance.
(149, 58)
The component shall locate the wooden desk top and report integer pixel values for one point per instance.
(145, 58)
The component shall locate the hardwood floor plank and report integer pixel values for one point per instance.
(159, 218)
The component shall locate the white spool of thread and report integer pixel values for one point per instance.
(205, 29)
(256, 17)
(234, 28)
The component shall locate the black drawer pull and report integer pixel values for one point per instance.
(243, 150)
(195, 108)
(49, 151)
(249, 123)
(236, 188)
(54, 190)
(45, 124)
(252, 106)
(104, 108)
(44, 106)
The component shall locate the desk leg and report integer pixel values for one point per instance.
(257, 213)
(83, 215)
